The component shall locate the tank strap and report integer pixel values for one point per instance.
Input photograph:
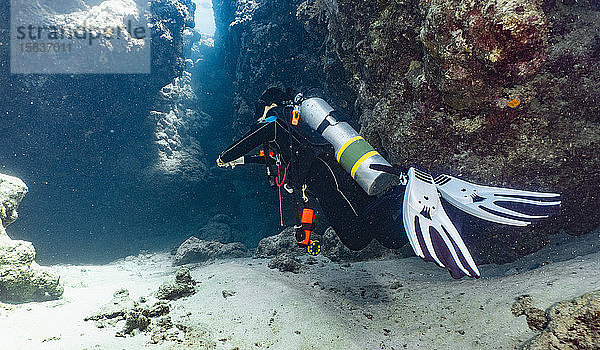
(329, 120)
(324, 125)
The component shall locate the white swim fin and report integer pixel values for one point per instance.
(496, 204)
(430, 232)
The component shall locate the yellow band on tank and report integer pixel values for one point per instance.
(338, 156)
(360, 161)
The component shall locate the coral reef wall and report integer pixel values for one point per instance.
(267, 45)
(500, 92)
(176, 113)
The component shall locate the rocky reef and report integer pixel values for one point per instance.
(183, 286)
(195, 250)
(284, 244)
(570, 324)
(177, 119)
(496, 91)
(176, 113)
(221, 228)
(21, 278)
(134, 316)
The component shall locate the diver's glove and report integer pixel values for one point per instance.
(231, 164)
(430, 231)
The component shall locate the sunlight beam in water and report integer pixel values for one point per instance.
(204, 16)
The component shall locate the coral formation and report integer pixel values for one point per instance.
(183, 286)
(12, 191)
(574, 324)
(474, 48)
(537, 319)
(134, 315)
(21, 278)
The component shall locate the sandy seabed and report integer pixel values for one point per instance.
(386, 304)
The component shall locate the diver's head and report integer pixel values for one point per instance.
(271, 103)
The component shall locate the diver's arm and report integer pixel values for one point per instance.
(254, 138)
(255, 159)
(241, 161)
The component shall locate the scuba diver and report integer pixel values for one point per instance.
(310, 152)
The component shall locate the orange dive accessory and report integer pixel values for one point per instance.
(262, 153)
(307, 223)
(295, 115)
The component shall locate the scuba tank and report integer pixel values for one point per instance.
(352, 151)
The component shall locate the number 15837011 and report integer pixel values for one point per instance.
(45, 47)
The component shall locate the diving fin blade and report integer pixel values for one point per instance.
(496, 204)
(430, 232)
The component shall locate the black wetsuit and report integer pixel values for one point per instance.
(356, 217)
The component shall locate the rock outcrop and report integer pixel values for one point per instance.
(500, 92)
(333, 248)
(195, 250)
(285, 244)
(116, 308)
(183, 286)
(537, 319)
(181, 116)
(574, 324)
(137, 315)
(282, 243)
(21, 278)
(220, 228)
(285, 263)
(169, 20)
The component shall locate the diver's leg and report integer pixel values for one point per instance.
(341, 204)
(383, 217)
